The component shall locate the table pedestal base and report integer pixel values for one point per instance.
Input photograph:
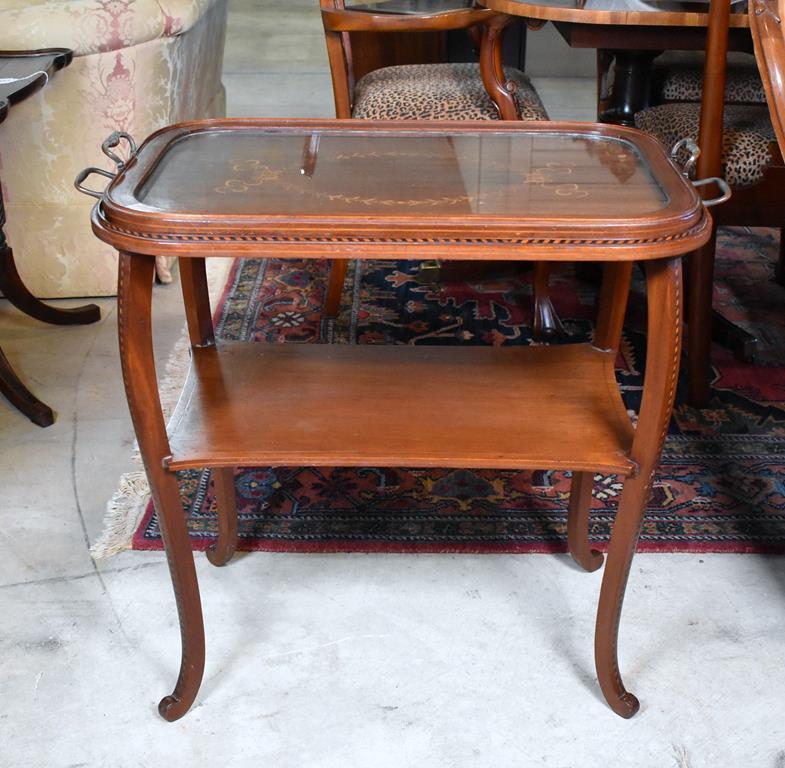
(16, 292)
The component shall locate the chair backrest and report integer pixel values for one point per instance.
(339, 22)
(768, 35)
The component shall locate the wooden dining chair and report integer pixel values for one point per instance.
(737, 143)
(434, 91)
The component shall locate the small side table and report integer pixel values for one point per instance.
(389, 190)
(21, 74)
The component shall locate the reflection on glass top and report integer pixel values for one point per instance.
(482, 174)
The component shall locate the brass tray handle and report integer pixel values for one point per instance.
(82, 176)
(692, 151)
(721, 183)
(113, 140)
(688, 165)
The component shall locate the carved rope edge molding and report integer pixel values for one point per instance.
(370, 240)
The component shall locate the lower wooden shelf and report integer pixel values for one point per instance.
(253, 404)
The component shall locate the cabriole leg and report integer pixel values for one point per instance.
(547, 325)
(332, 301)
(607, 334)
(614, 294)
(221, 552)
(578, 522)
(663, 348)
(196, 298)
(141, 387)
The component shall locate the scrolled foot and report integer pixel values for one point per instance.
(171, 708)
(626, 706)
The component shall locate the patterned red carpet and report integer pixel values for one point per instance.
(720, 488)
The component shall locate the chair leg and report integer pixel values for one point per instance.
(332, 301)
(221, 552)
(547, 325)
(779, 270)
(578, 522)
(699, 322)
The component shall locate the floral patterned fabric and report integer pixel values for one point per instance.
(143, 65)
(95, 26)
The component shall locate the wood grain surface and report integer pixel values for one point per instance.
(347, 405)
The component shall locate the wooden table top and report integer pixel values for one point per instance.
(413, 7)
(363, 183)
(24, 72)
(657, 13)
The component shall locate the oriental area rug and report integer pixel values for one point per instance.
(720, 486)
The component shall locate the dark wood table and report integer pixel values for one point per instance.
(631, 32)
(21, 74)
(391, 190)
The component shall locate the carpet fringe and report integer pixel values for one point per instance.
(124, 511)
(126, 508)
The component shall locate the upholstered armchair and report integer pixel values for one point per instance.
(138, 65)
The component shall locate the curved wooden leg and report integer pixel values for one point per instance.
(332, 300)
(196, 299)
(779, 270)
(221, 552)
(578, 522)
(499, 88)
(141, 386)
(21, 397)
(614, 294)
(17, 293)
(607, 335)
(662, 369)
(547, 325)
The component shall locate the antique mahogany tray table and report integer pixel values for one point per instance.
(396, 190)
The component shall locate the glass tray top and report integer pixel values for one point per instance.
(316, 172)
(348, 184)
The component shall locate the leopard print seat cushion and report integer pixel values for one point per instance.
(678, 76)
(437, 92)
(746, 140)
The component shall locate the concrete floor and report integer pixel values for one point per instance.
(361, 660)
